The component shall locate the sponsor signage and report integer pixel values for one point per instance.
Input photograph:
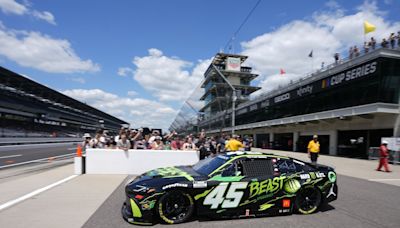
(253, 107)
(342, 78)
(265, 103)
(283, 97)
(232, 64)
(304, 90)
(241, 111)
(349, 75)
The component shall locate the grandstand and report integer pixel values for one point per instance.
(29, 109)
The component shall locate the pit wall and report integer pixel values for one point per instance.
(135, 162)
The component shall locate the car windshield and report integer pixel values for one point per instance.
(208, 165)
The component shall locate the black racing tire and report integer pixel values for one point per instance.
(308, 200)
(175, 207)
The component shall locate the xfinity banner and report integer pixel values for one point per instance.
(335, 80)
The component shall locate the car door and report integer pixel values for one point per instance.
(264, 184)
(240, 187)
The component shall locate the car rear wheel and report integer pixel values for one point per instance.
(308, 200)
(175, 207)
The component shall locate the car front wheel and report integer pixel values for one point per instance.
(175, 207)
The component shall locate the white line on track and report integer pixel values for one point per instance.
(37, 160)
(38, 191)
(12, 156)
(384, 179)
(73, 148)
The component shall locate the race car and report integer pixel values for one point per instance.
(231, 185)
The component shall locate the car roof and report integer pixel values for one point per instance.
(252, 154)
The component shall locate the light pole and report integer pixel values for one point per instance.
(233, 98)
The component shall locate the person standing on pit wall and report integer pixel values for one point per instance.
(313, 149)
(233, 144)
(383, 154)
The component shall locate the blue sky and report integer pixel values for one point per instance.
(139, 60)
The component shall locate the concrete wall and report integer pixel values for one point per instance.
(135, 162)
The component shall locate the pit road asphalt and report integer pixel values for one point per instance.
(24, 153)
(360, 203)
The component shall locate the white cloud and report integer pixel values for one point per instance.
(332, 4)
(40, 51)
(13, 7)
(326, 33)
(124, 71)
(132, 93)
(45, 15)
(139, 112)
(78, 80)
(168, 78)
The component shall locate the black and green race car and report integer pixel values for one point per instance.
(233, 185)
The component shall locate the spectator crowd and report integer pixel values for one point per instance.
(393, 41)
(153, 140)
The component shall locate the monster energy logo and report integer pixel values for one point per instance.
(292, 186)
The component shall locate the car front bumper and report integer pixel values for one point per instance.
(133, 214)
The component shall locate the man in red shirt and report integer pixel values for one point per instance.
(383, 154)
(176, 143)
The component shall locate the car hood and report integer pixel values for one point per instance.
(171, 172)
(162, 176)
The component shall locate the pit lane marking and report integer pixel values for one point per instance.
(38, 191)
(11, 156)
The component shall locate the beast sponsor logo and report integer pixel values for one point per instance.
(267, 186)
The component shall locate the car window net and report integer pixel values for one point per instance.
(257, 167)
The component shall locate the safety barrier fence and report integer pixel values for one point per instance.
(394, 156)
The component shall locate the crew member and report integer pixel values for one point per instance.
(234, 144)
(313, 149)
(383, 154)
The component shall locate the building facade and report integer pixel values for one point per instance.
(350, 105)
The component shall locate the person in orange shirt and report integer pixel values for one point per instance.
(313, 149)
(234, 144)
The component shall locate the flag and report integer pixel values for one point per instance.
(283, 71)
(310, 55)
(368, 27)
